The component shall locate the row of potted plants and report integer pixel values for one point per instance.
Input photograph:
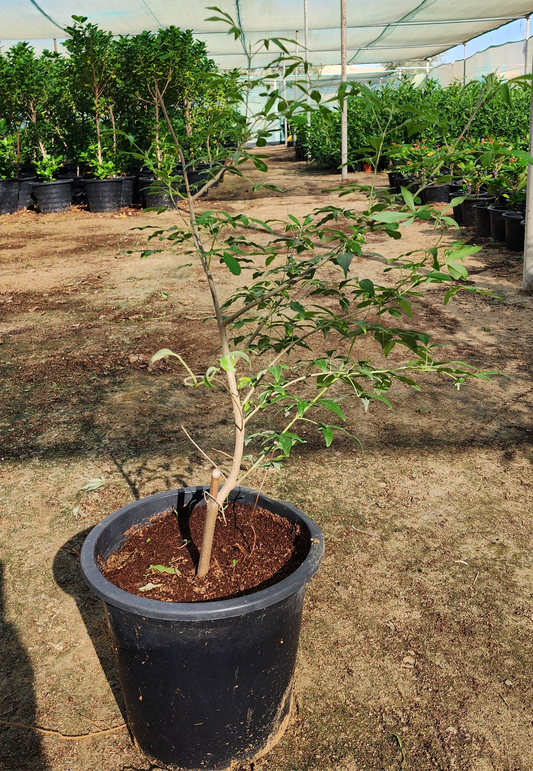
(440, 109)
(54, 186)
(490, 174)
(89, 106)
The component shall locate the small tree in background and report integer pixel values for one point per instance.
(91, 70)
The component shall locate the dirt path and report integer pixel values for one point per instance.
(417, 639)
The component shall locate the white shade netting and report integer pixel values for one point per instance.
(381, 31)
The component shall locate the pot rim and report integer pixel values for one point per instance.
(199, 611)
(54, 182)
(107, 179)
(513, 215)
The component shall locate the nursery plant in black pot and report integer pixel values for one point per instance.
(8, 166)
(52, 195)
(475, 177)
(205, 619)
(104, 192)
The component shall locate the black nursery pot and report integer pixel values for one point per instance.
(25, 199)
(435, 194)
(482, 219)
(209, 683)
(9, 193)
(154, 194)
(497, 222)
(469, 213)
(126, 192)
(393, 176)
(104, 195)
(53, 197)
(78, 194)
(514, 230)
(408, 182)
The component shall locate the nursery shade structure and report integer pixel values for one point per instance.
(372, 32)
(379, 31)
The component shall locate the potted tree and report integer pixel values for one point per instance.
(208, 682)
(8, 163)
(91, 71)
(52, 195)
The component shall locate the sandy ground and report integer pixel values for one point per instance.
(416, 647)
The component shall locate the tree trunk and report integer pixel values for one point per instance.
(97, 120)
(112, 117)
(187, 118)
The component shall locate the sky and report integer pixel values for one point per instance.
(509, 33)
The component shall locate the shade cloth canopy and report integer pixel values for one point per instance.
(378, 31)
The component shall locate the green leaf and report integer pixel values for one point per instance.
(162, 569)
(259, 164)
(164, 352)
(327, 433)
(367, 286)
(287, 441)
(229, 360)
(232, 263)
(344, 261)
(332, 406)
(389, 216)
(297, 308)
(408, 198)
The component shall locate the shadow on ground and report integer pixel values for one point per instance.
(67, 574)
(17, 699)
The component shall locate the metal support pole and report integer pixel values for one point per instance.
(285, 125)
(296, 70)
(526, 47)
(528, 241)
(344, 79)
(306, 34)
(464, 64)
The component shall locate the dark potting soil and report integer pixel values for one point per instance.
(253, 549)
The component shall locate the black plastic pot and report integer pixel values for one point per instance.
(435, 194)
(9, 193)
(208, 683)
(78, 194)
(514, 230)
(154, 194)
(469, 213)
(401, 181)
(393, 176)
(408, 182)
(482, 220)
(456, 187)
(104, 195)
(52, 197)
(126, 192)
(25, 199)
(199, 176)
(497, 222)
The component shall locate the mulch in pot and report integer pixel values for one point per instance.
(254, 549)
